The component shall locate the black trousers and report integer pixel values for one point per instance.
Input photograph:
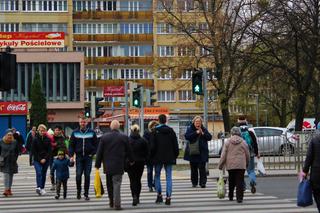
(315, 184)
(236, 179)
(64, 185)
(135, 173)
(196, 170)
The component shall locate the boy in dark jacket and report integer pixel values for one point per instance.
(61, 166)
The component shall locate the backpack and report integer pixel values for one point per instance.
(247, 137)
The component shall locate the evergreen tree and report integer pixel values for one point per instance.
(38, 110)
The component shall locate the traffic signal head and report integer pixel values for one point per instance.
(8, 71)
(149, 94)
(136, 98)
(98, 107)
(87, 113)
(197, 83)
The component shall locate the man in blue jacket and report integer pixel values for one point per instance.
(83, 143)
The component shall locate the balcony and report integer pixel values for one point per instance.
(113, 37)
(147, 83)
(111, 15)
(147, 60)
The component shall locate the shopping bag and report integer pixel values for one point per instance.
(260, 167)
(304, 197)
(98, 186)
(221, 187)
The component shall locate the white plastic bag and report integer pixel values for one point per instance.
(221, 187)
(260, 167)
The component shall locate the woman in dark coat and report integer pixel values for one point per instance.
(196, 131)
(313, 162)
(9, 151)
(139, 149)
(41, 152)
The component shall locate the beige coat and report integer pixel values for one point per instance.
(235, 154)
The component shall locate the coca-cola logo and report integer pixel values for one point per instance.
(16, 107)
(115, 89)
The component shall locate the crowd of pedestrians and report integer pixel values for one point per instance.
(157, 149)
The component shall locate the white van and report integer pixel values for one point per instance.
(308, 124)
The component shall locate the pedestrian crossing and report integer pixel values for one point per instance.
(184, 198)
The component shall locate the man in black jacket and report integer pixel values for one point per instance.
(164, 151)
(113, 150)
(313, 161)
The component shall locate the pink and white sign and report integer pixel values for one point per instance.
(14, 108)
(113, 91)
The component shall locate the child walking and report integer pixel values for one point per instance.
(61, 166)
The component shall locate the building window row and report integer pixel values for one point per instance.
(184, 5)
(166, 96)
(45, 5)
(166, 28)
(186, 96)
(9, 5)
(165, 74)
(111, 5)
(113, 51)
(170, 96)
(44, 27)
(9, 27)
(113, 28)
(169, 51)
(121, 73)
(60, 81)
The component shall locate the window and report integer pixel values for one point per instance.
(44, 27)
(203, 27)
(163, 28)
(165, 74)
(165, 4)
(91, 74)
(9, 27)
(186, 51)
(186, 96)
(204, 5)
(9, 5)
(136, 28)
(134, 74)
(164, 51)
(185, 5)
(45, 5)
(186, 75)
(205, 51)
(166, 96)
(106, 5)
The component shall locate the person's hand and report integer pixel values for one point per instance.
(304, 175)
(72, 159)
(43, 161)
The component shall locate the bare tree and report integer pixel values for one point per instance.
(221, 31)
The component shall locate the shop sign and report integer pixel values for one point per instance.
(13, 108)
(150, 111)
(32, 39)
(113, 91)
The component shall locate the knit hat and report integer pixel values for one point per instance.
(61, 153)
(8, 131)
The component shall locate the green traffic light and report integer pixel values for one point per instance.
(197, 88)
(136, 102)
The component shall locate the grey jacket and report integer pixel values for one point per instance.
(10, 152)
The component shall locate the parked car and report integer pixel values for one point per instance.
(275, 140)
(215, 147)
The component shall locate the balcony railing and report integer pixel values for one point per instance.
(147, 60)
(147, 83)
(141, 15)
(113, 37)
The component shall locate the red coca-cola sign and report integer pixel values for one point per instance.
(113, 91)
(13, 108)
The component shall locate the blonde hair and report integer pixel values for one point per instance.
(115, 124)
(42, 126)
(135, 128)
(196, 118)
(152, 125)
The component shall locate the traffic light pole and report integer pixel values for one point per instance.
(205, 98)
(93, 110)
(141, 111)
(126, 126)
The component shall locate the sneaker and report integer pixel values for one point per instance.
(42, 192)
(159, 199)
(203, 186)
(168, 201)
(6, 193)
(9, 192)
(87, 198)
(253, 188)
(38, 190)
(57, 197)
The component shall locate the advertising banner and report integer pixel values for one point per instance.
(113, 91)
(13, 108)
(32, 39)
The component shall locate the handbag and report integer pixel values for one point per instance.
(98, 186)
(194, 147)
(260, 167)
(304, 197)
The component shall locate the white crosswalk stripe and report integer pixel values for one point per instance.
(184, 198)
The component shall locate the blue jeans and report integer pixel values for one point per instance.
(41, 173)
(83, 166)
(168, 169)
(251, 172)
(150, 175)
